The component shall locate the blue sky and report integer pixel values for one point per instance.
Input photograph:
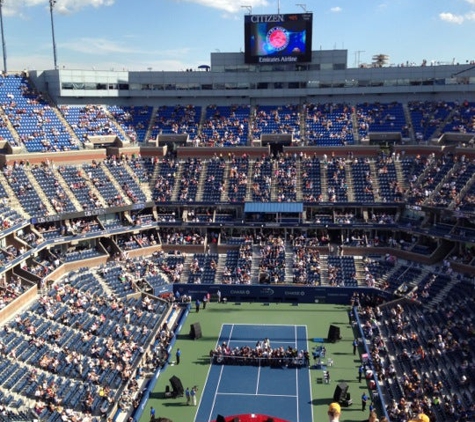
(181, 34)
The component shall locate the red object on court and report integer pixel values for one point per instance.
(251, 417)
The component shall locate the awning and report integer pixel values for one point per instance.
(274, 207)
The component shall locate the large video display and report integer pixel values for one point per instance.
(278, 38)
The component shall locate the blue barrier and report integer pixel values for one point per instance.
(278, 293)
(367, 351)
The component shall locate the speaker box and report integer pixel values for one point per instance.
(195, 331)
(177, 386)
(341, 390)
(333, 334)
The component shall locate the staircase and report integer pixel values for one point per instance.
(176, 188)
(185, 275)
(224, 193)
(298, 186)
(144, 186)
(202, 181)
(400, 176)
(256, 260)
(289, 266)
(44, 199)
(375, 178)
(92, 189)
(13, 201)
(433, 304)
(349, 180)
(116, 184)
(66, 188)
(408, 118)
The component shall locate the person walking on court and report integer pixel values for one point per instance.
(355, 346)
(219, 296)
(197, 305)
(205, 300)
(188, 396)
(178, 355)
(193, 394)
(360, 373)
(364, 400)
(152, 413)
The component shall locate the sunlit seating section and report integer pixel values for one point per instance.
(214, 180)
(286, 179)
(176, 120)
(74, 176)
(276, 120)
(89, 121)
(51, 186)
(362, 182)
(261, 179)
(36, 122)
(428, 116)
(238, 179)
(311, 179)
(190, 178)
(329, 124)
(133, 120)
(103, 184)
(462, 120)
(26, 194)
(164, 185)
(337, 181)
(129, 185)
(226, 125)
(390, 187)
(379, 117)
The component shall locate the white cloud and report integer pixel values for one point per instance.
(336, 9)
(451, 18)
(103, 46)
(461, 18)
(231, 6)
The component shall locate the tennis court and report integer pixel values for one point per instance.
(260, 389)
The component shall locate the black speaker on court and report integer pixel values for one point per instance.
(220, 418)
(333, 334)
(341, 390)
(177, 386)
(195, 331)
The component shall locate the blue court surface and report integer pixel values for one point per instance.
(282, 392)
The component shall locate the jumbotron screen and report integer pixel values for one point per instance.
(281, 38)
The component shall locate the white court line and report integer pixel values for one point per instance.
(220, 372)
(260, 395)
(308, 372)
(257, 381)
(216, 393)
(297, 375)
(247, 341)
(265, 325)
